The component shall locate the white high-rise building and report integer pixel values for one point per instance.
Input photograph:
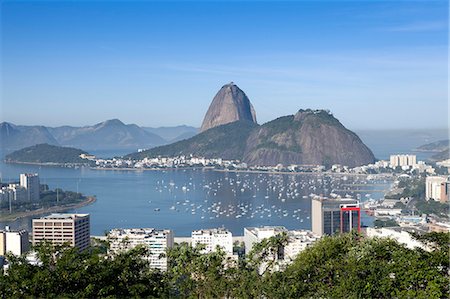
(434, 186)
(30, 181)
(158, 241)
(403, 160)
(15, 242)
(212, 238)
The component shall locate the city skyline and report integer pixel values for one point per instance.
(160, 64)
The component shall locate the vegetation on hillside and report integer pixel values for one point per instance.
(46, 153)
(226, 141)
(346, 266)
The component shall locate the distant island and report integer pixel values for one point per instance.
(49, 154)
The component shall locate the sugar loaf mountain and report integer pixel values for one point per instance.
(230, 131)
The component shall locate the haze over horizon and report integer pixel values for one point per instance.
(374, 65)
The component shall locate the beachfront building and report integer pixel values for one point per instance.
(72, 229)
(30, 181)
(157, 241)
(213, 238)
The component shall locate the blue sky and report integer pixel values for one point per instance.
(374, 64)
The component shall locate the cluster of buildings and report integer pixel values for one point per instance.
(26, 190)
(169, 162)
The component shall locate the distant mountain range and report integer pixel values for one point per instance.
(173, 134)
(110, 134)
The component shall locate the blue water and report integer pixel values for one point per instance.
(179, 199)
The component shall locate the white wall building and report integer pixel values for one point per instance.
(212, 238)
(30, 181)
(15, 242)
(398, 234)
(158, 241)
(298, 240)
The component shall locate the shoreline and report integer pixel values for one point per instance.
(47, 163)
(54, 209)
(194, 168)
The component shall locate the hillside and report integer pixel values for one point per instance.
(46, 153)
(110, 134)
(437, 146)
(309, 137)
(443, 155)
(14, 137)
(226, 141)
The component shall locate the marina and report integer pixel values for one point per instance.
(184, 200)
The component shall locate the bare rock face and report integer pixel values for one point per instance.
(229, 105)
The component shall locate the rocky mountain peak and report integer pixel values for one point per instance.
(230, 104)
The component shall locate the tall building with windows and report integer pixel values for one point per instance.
(158, 241)
(402, 160)
(212, 238)
(30, 181)
(332, 216)
(73, 229)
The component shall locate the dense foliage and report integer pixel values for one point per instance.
(46, 153)
(347, 266)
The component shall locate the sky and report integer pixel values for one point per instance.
(374, 64)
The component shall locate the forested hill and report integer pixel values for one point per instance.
(46, 153)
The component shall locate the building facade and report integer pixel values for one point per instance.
(213, 238)
(402, 160)
(15, 242)
(59, 229)
(332, 216)
(158, 241)
(30, 181)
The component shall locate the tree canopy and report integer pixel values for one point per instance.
(345, 266)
